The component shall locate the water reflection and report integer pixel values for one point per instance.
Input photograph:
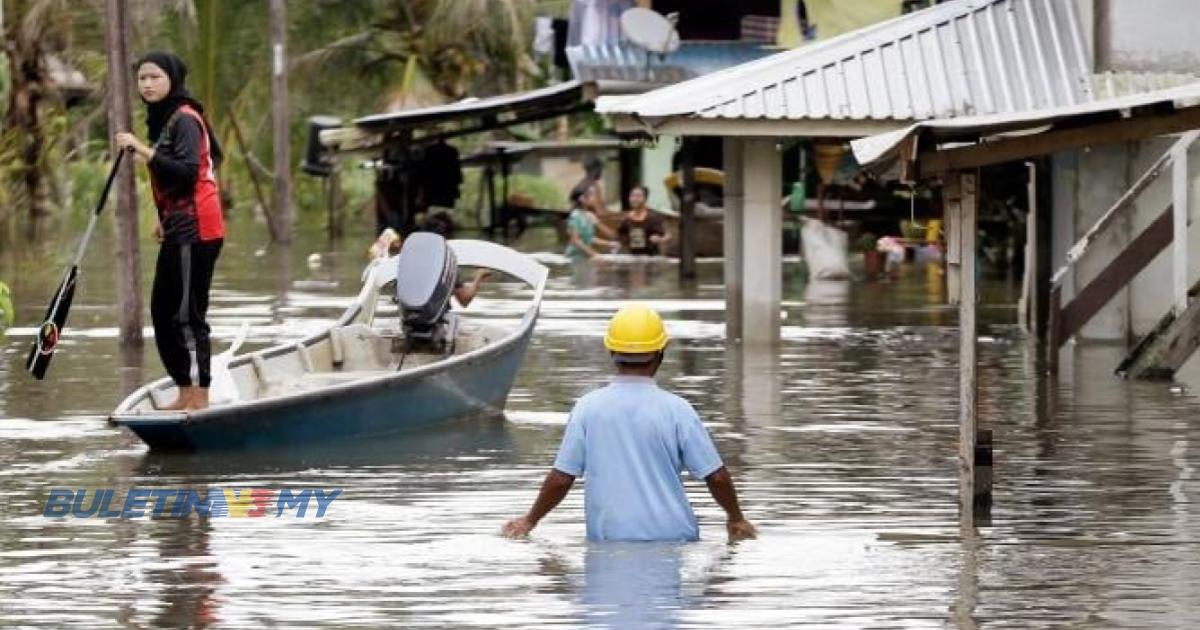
(189, 570)
(967, 588)
(634, 585)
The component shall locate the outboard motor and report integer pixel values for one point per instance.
(424, 281)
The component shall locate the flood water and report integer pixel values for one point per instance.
(842, 443)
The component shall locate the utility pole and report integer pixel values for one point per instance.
(279, 116)
(129, 272)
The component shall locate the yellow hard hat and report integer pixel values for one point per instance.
(636, 329)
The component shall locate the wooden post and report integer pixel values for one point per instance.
(1179, 244)
(687, 210)
(734, 201)
(1053, 329)
(1029, 282)
(968, 381)
(952, 211)
(489, 179)
(335, 202)
(128, 254)
(280, 120)
(1044, 248)
(630, 162)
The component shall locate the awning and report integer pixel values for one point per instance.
(462, 117)
(544, 103)
(973, 141)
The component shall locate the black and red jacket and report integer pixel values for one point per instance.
(184, 183)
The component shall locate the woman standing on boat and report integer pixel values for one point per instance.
(182, 158)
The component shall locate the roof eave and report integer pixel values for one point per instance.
(755, 128)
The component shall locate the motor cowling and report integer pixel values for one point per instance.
(425, 280)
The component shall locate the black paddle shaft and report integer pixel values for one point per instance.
(56, 315)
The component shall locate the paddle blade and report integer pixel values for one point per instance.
(52, 326)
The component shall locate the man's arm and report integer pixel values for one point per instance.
(467, 292)
(720, 486)
(554, 489)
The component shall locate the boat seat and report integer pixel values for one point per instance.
(313, 381)
(357, 347)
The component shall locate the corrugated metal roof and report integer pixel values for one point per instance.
(959, 58)
(874, 150)
(625, 62)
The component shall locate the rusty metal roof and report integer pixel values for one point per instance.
(959, 58)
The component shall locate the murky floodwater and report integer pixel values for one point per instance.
(842, 444)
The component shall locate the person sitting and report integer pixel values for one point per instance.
(641, 232)
(442, 223)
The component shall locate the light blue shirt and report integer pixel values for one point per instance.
(630, 441)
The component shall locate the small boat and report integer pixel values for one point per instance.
(366, 375)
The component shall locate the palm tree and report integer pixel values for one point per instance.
(34, 31)
(437, 50)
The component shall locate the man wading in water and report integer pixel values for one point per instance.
(631, 439)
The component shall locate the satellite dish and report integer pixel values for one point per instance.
(650, 30)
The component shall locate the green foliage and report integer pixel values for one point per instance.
(544, 192)
(85, 180)
(6, 309)
(867, 241)
(357, 186)
(5, 79)
(347, 59)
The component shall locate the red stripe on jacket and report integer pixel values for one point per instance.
(205, 197)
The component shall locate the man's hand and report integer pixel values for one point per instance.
(158, 231)
(740, 529)
(556, 486)
(517, 528)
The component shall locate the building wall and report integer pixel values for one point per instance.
(1137, 36)
(656, 166)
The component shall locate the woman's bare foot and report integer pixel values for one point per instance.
(199, 399)
(182, 402)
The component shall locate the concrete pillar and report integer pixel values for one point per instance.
(762, 245)
(733, 204)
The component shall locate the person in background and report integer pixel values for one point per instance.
(442, 223)
(893, 248)
(388, 244)
(182, 158)
(630, 440)
(439, 177)
(641, 232)
(582, 225)
(592, 180)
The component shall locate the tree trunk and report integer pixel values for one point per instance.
(279, 115)
(27, 90)
(129, 285)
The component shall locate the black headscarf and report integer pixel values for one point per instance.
(157, 114)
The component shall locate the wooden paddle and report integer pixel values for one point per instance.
(56, 316)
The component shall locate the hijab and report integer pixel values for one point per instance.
(157, 114)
